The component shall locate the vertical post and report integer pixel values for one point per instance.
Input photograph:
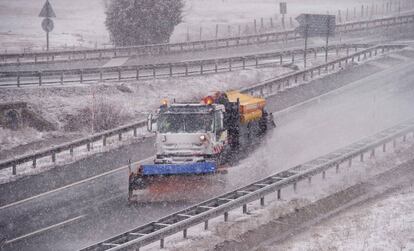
(226, 216)
(47, 40)
(306, 45)
(327, 39)
(262, 201)
(217, 30)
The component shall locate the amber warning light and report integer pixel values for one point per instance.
(209, 100)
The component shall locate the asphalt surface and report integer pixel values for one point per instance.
(88, 212)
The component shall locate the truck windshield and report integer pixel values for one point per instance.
(189, 123)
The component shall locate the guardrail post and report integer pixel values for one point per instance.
(315, 53)
(104, 141)
(337, 168)
(135, 131)
(244, 208)
(304, 76)
(206, 225)
(171, 70)
(137, 74)
(215, 67)
(119, 74)
(34, 163)
(18, 79)
(293, 57)
(244, 63)
(295, 186)
(120, 136)
(81, 76)
(40, 78)
(230, 64)
(323, 175)
(54, 157)
(71, 151)
(262, 201)
(61, 78)
(153, 72)
(347, 51)
(256, 61)
(162, 243)
(311, 73)
(226, 216)
(279, 194)
(281, 59)
(88, 146)
(372, 153)
(185, 233)
(404, 138)
(14, 169)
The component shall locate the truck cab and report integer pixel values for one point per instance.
(189, 133)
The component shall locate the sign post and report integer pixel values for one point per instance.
(283, 12)
(47, 24)
(311, 25)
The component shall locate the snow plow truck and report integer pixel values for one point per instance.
(194, 140)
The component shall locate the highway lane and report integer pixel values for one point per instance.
(360, 109)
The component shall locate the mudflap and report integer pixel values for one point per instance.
(174, 188)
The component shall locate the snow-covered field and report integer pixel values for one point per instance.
(387, 224)
(81, 23)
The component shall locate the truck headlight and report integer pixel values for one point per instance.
(164, 138)
(203, 138)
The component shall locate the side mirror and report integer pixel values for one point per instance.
(149, 122)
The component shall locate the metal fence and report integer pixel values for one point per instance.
(239, 198)
(268, 87)
(140, 72)
(100, 54)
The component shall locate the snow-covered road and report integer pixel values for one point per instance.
(98, 209)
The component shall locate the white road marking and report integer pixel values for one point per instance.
(71, 185)
(44, 229)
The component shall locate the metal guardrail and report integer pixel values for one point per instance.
(99, 54)
(184, 68)
(239, 198)
(281, 83)
(261, 89)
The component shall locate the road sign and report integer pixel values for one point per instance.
(47, 25)
(283, 8)
(47, 10)
(316, 25)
